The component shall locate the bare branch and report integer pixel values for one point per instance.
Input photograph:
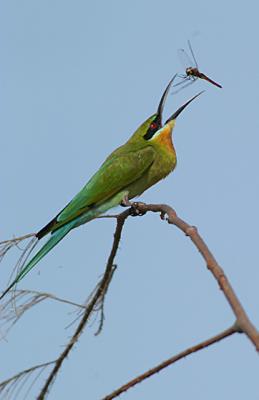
(170, 361)
(102, 289)
(6, 245)
(243, 324)
(100, 306)
(24, 300)
(16, 240)
(10, 388)
(96, 299)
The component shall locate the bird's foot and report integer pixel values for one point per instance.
(134, 206)
(125, 202)
(136, 209)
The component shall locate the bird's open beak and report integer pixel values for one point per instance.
(180, 109)
(162, 101)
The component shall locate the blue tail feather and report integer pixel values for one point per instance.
(60, 233)
(52, 242)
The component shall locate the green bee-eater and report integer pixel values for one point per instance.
(146, 158)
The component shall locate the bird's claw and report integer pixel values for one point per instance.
(134, 207)
(125, 202)
(135, 211)
(162, 215)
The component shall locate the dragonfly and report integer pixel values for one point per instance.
(192, 72)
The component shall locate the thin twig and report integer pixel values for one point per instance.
(24, 301)
(243, 324)
(99, 293)
(100, 307)
(51, 297)
(18, 239)
(170, 361)
(11, 384)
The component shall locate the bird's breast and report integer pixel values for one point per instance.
(164, 163)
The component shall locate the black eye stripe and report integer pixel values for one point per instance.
(153, 128)
(150, 133)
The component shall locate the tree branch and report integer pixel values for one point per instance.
(16, 382)
(243, 324)
(170, 361)
(100, 292)
(6, 245)
(18, 239)
(24, 300)
(96, 300)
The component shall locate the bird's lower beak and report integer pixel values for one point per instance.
(180, 109)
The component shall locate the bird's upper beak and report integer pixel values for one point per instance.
(163, 100)
(162, 104)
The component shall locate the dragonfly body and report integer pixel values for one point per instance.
(192, 72)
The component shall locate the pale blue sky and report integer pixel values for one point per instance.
(76, 79)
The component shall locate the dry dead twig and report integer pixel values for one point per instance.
(96, 299)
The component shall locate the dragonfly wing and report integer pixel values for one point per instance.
(192, 53)
(185, 59)
(184, 79)
(189, 81)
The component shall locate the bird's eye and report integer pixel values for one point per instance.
(153, 125)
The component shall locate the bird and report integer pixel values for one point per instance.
(146, 158)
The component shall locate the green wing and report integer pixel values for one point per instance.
(115, 174)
